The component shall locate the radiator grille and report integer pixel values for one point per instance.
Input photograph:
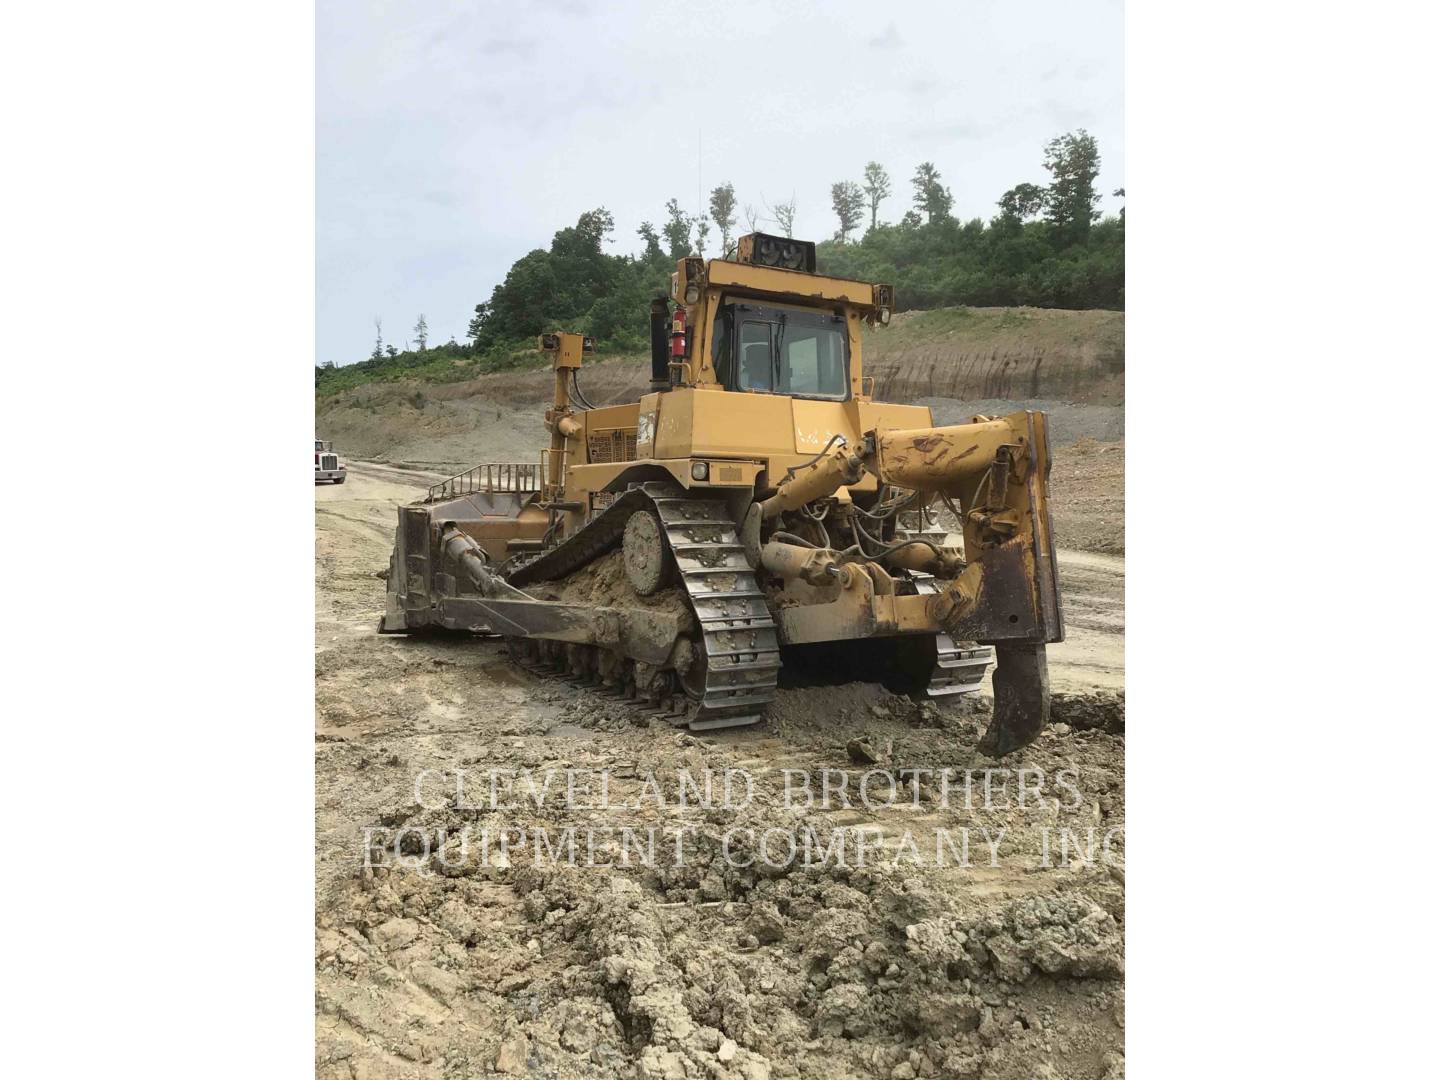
(616, 445)
(329, 462)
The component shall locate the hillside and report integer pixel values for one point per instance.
(1010, 354)
(956, 360)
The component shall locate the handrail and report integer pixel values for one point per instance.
(493, 476)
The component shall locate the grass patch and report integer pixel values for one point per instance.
(986, 325)
(443, 364)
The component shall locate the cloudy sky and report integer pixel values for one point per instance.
(453, 136)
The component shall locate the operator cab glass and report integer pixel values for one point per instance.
(773, 350)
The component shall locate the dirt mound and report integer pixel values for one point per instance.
(1100, 711)
(725, 964)
(603, 583)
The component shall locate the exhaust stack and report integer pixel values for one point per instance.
(659, 344)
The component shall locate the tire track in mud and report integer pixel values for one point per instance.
(1093, 590)
(386, 532)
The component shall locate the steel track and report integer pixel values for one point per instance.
(740, 639)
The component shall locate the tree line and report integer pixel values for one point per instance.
(1046, 246)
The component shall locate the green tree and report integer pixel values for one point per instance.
(702, 234)
(653, 251)
(931, 196)
(1073, 162)
(574, 284)
(1023, 202)
(595, 226)
(422, 332)
(848, 202)
(482, 312)
(784, 215)
(378, 353)
(722, 211)
(677, 230)
(521, 305)
(877, 188)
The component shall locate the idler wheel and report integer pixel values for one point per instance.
(647, 564)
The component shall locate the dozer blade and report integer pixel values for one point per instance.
(1022, 699)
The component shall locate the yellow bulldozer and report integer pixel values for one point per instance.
(756, 510)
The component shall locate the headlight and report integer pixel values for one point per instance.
(694, 278)
(700, 470)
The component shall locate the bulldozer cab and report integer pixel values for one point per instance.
(765, 323)
(781, 349)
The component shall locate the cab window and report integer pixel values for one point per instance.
(812, 361)
(757, 361)
(722, 350)
(775, 350)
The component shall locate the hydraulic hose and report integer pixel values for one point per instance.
(894, 547)
(791, 538)
(793, 469)
(575, 385)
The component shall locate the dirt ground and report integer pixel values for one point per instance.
(706, 960)
(1087, 489)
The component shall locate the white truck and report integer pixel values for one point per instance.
(328, 468)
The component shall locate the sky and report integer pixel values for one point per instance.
(454, 136)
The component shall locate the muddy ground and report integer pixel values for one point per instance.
(435, 961)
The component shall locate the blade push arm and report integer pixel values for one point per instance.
(994, 473)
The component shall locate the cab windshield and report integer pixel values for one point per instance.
(778, 351)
